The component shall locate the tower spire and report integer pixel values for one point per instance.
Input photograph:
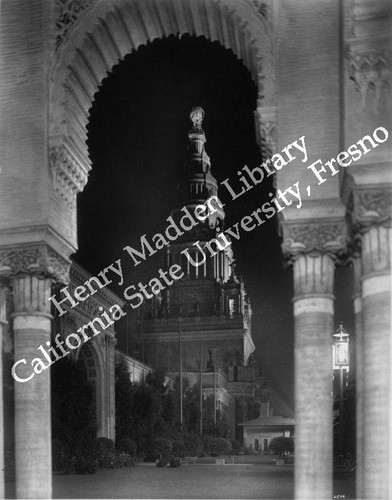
(199, 184)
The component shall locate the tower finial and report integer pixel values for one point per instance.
(197, 116)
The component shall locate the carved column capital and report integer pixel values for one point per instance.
(376, 251)
(313, 275)
(305, 237)
(69, 176)
(39, 260)
(370, 206)
(31, 295)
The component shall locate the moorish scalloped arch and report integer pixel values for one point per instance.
(94, 35)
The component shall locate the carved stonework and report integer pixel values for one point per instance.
(307, 237)
(112, 342)
(371, 206)
(90, 307)
(266, 132)
(376, 250)
(371, 75)
(313, 274)
(31, 294)
(69, 11)
(261, 7)
(69, 177)
(39, 260)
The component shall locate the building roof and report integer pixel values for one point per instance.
(269, 421)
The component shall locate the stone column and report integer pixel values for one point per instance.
(312, 246)
(32, 328)
(376, 302)
(3, 322)
(313, 325)
(357, 299)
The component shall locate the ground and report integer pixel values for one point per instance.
(250, 477)
(192, 481)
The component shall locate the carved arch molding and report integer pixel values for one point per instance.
(91, 36)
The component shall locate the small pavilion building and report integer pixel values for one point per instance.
(259, 432)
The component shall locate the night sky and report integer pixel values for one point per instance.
(138, 146)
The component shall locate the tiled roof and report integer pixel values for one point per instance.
(269, 421)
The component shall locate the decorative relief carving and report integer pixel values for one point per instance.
(313, 274)
(261, 7)
(266, 132)
(69, 178)
(31, 294)
(37, 259)
(371, 75)
(112, 342)
(372, 205)
(89, 306)
(321, 236)
(69, 11)
(376, 250)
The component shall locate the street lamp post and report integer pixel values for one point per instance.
(341, 363)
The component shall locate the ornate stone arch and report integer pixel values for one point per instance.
(94, 35)
(89, 354)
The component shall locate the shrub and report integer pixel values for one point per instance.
(162, 462)
(175, 462)
(85, 465)
(236, 447)
(218, 446)
(101, 444)
(179, 449)
(249, 450)
(193, 444)
(127, 445)
(280, 445)
(123, 460)
(161, 446)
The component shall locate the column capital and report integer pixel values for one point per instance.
(31, 296)
(34, 259)
(313, 237)
(314, 277)
(370, 206)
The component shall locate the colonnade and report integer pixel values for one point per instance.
(44, 165)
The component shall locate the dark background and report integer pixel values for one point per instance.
(137, 139)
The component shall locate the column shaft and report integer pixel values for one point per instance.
(376, 302)
(313, 323)
(359, 375)
(2, 429)
(32, 328)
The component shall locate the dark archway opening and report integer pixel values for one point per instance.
(138, 146)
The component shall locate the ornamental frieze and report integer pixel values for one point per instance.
(34, 259)
(321, 236)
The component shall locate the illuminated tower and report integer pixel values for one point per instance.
(208, 308)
